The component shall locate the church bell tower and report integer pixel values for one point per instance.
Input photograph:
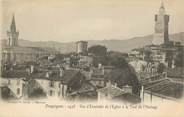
(13, 34)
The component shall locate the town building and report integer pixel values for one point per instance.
(35, 82)
(81, 47)
(112, 92)
(138, 65)
(98, 75)
(87, 92)
(13, 84)
(134, 55)
(19, 54)
(56, 83)
(85, 61)
(158, 54)
(161, 90)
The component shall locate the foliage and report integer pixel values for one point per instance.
(123, 73)
(125, 76)
(117, 61)
(99, 60)
(111, 58)
(98, 50)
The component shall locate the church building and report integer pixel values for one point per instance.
(13, 53)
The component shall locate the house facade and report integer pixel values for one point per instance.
(16, 87)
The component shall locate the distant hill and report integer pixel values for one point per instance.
(116, 45)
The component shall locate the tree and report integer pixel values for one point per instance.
(117, 61)
(125, 76)
(98, 50)
(112, 58)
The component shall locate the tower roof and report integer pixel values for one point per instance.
(13, 25)
(162, 5)
(162, 8)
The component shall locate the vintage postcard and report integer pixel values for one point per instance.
(92, 58)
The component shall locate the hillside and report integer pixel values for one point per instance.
(116, 45)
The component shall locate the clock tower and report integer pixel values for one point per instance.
(161, 35)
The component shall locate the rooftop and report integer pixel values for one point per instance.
(14, 74)
(166, 88)
(81, 42)
(65, 78)
(127, 97)
(112, 90)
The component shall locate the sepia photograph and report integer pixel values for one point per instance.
(92, 58)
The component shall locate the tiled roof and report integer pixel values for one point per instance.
(66, 78)
(69, 75)
(14, 74)
(82, 42)
(39, 75)
(108, 67)
(167, 88)
(112, 90)
(97, 72)
(127, 97)
(85, 87)
(176, 72)
(97, 79)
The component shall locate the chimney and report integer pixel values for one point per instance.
(61, 72)
(99, 66)
(31, 68)
(28, 71)
(47, 74)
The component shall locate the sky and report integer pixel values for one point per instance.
(73, 20)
